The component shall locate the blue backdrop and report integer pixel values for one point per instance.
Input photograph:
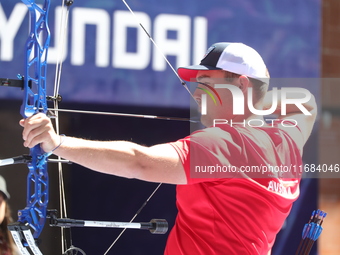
(103, 33)
(109, 61)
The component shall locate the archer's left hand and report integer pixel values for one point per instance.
(38, 129)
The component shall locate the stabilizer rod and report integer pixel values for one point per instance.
(155, 226)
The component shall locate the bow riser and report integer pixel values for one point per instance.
(35, 101)
(36, 66)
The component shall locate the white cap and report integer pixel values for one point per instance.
(232, 57)
(3, 187)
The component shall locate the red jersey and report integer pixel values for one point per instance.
(241, 186)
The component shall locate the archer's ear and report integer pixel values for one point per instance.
(244, 83)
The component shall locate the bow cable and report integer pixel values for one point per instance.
(65, 10)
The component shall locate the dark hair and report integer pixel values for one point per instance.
(7, 243)
(260, 87)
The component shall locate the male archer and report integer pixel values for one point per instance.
(216, 211)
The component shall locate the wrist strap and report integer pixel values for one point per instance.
(62, 139)
(43, 158)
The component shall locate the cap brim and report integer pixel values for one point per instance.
(189, 73)
(5, 194)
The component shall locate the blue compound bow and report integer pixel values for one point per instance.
(33, 216)
(34, 84)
